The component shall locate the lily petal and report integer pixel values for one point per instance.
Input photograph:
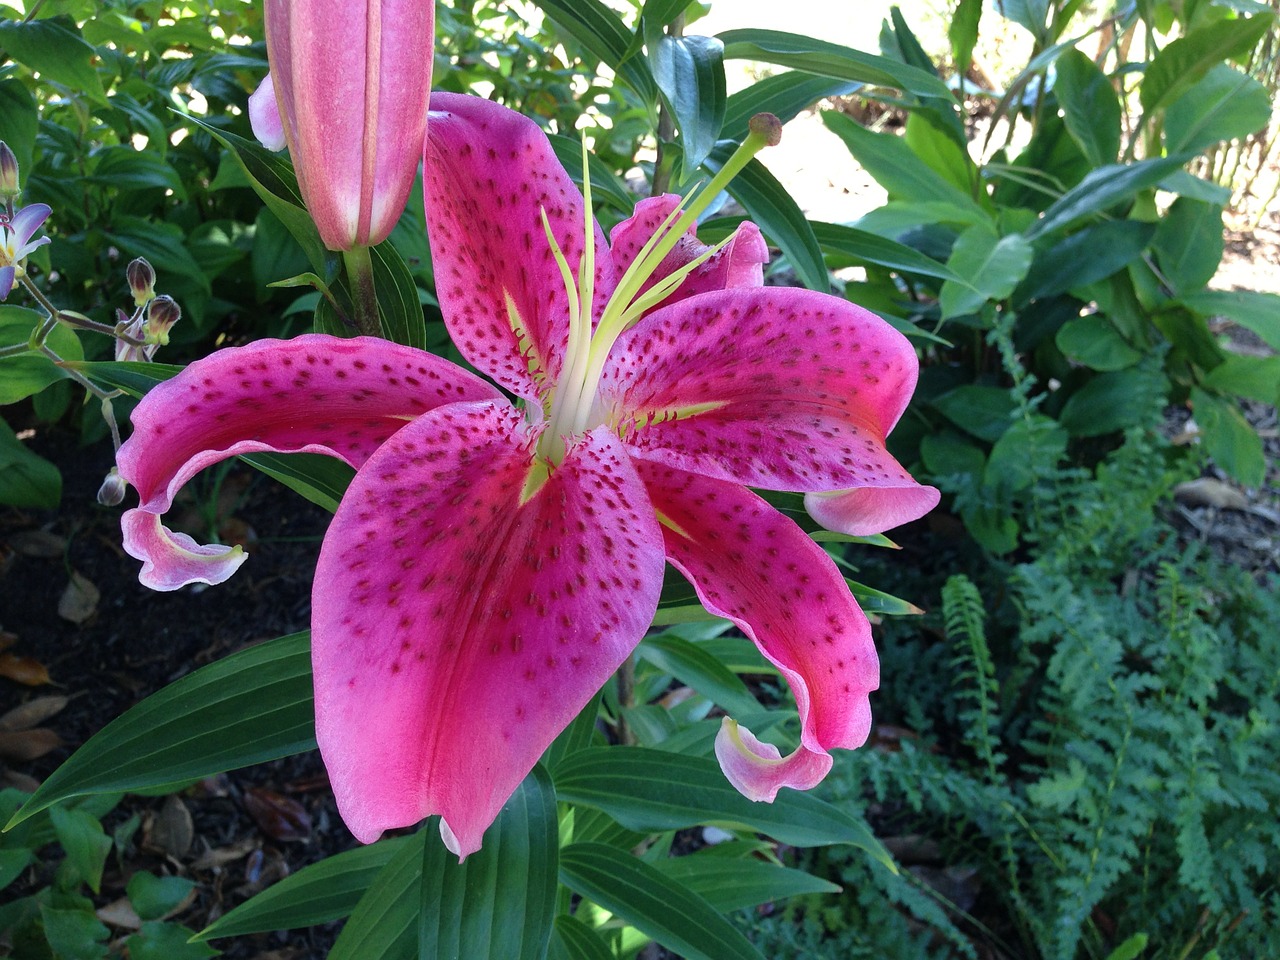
(456, 629)
(871, 510)
(740, 263)
(264, 115)
(489, 174)
(314, 394)
(776, 388)
(27, 221)
(755, 567)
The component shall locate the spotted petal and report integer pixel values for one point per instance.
(489, 173)
(755, 567)
(776, 388)
(314, 394)
(456, 629)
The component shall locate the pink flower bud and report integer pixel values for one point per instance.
(8, 172)
(142, 281)
(352, 79)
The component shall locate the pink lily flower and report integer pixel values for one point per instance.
(492, 564)
(348, 93)
(16, 243)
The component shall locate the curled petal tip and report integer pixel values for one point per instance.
(264, 115)
(758, 770)
(866, 511)
(173, 560)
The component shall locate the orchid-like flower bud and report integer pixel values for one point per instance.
(142, 281)
(111, 493)
(162, 313)
(351, 79)
(9, 187)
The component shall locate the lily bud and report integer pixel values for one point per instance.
(162, 313)
(111, 493)
(9, 187)
(142, 281)
(352, 79)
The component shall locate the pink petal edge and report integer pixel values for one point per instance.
(871, 510)
(758, 770)
(264, 115)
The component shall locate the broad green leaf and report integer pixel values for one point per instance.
(26, 479)
(322, 480)
(1224, 105)
(85, 843)
(1090, 107)
(1183, 183)
(1094, 341)
(18, 123)
(578, 735)
(1025, 452)
(25, 374)
(943, 155)
(648, 790)
(874, 248)
(74, 934)
(963, 33)
(605, 184)
(1112, 401)
(1234, 445)
(735, 883)
(829, 60)
(166, 941)
(1188, 244)
(154, 898)
(1257, 378)
(994, 266)
(690, 73)
(771, 207)
(320, 893)
(134, 377)
(602, 32)
(1131, 949)
(1103, 189)
(399, 308)
(655, 905)
(784, 95)
(384, 923)
(1029, 14)
(893, 164)
(124, 168)
(574, 940)
(250, 707)
(54, 49)
(694, 667)
(161, 244)
(1256, 311)
(877, 601)
(985, 412)
(947, 453)
(499, 903)
(1085, 257)
(1181, 64)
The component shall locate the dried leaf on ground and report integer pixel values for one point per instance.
(276, 815)
(79, 600)
(33, 713)
(40, 544)
(120, 914)
(19, 746)
(25, 670)
(171, 831)
(1209, 492)
(222, 856)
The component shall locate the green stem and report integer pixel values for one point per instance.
(364, 295)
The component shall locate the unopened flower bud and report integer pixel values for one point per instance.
(162, 313)
(8, 172)
(111, 493)
(142, 281)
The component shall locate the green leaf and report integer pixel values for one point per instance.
(735, 883)
(18, 123)
(784, 95)
(893, 164)
(873, 248)
(26, 479)
(694, 667)
(85, 843)
(1188, 244)
(574, 940)
(1131, 949)
(74, 934)
(605, 184)
(1085, 257)
(995, 265)
(1090, 107)
(1231, 442)
(25, 374)
(877, 601)
(1257, 378)
(1112, 401)
(1259, 312)
(320, 893)
(1027, 451)
(322, 480)
(1094, 341)
(152, 897)
(124, 168)
(655, 905)
(830, 60)
(648, 790)
(166, 941)
(399, 308)
(54, 49)
(1225, 105)
(161, 244)
(250, 707)
(134, 377)
(985, 412)
(602, 32)
(384, 923)
(770, 205)
(1102, 189)
(1181, 64)
(498, 903)
(689, 72)
(963, 33)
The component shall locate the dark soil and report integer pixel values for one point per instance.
(137, 641)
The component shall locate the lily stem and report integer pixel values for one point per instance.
(626, 699)
(364, 295)
(665, 160)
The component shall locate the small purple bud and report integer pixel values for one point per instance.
(111, 493)
(8, 172)
(162, 313)
(142, 281)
